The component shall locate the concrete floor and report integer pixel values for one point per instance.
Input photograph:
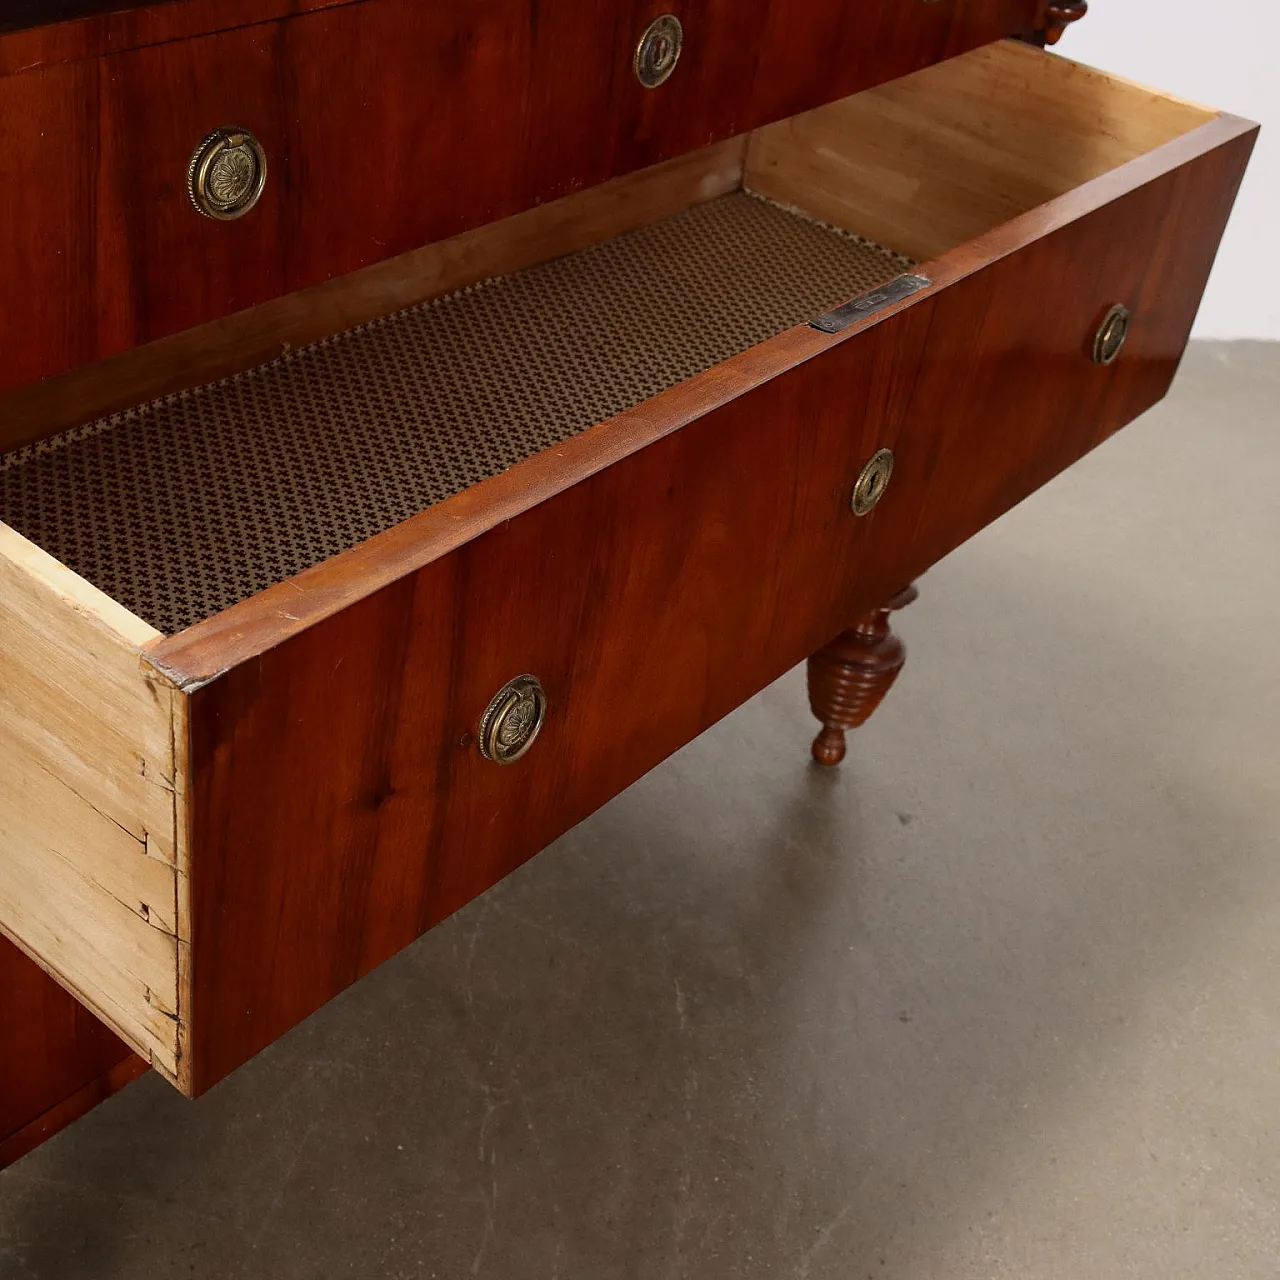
(999, 999)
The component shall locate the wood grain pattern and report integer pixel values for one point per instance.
(938, 158)
(850, 675)
(20, 14)
(206, 650)
(241, 341)
(481, 111)
(53, 31)
(653, 597)
(70, 1109)
(91, 847)
(57, 1060)
(653, 572)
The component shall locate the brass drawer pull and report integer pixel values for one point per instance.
(872, 481)
(227, 173)
(1111, 335)
(659, 50)
(512, 720)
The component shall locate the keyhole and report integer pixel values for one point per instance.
(1112, 334)
(659, 50)
(872, 481)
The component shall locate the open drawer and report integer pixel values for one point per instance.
(294, 664)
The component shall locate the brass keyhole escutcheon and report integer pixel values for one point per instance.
(227, 173)
(512, 720)
(659, 50)
(872, 481)
(1111, 335)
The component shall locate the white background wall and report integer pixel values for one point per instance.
(1225, 54)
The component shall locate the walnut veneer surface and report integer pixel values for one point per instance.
(18, 14)
(291, 785)
(492, 106)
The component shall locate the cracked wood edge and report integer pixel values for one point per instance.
(93, 858)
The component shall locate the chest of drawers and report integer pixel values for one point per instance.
(562, 375)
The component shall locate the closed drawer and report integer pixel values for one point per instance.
(625, 472)
(384, 125)
(56, 1060)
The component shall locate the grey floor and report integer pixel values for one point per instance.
(1000, 998)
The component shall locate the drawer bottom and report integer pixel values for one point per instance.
(283, 466)
(206, 836)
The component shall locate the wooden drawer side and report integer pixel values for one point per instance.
(651, 597)
(939, 158)
(91, 846)
(659, 561)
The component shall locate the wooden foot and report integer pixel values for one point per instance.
(849, 677)
(1060, 15)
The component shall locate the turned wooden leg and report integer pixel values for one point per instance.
(849, 677)
(1060, 15)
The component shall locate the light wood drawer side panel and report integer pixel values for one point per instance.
(90, 797)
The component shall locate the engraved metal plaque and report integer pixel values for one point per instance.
(868, 303)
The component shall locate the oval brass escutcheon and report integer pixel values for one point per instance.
(1111, 334)
(659, 50)
(512, 720)
(227, 173)
(872, 481)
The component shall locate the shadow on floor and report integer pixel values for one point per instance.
(995, 999)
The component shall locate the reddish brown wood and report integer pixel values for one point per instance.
(70, 1109)
(481, 110)
(20, 14)
(1219, 149)
(1060, 15)
(850, 675)
(340, 806)
(57, 1061)
(91, 28)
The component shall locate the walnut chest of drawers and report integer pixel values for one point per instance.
(417, 421)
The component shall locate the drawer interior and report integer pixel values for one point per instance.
(184, 506)
(934, 160)
(179, 506)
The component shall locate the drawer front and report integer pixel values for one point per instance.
(341, 805)
(386, 125)
(56, 1059)
(1005, 392)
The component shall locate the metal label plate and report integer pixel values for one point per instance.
(868, 303)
